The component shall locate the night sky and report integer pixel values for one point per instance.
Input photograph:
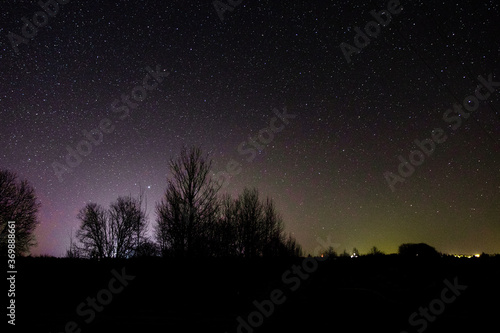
(326, 164)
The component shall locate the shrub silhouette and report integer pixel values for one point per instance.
(421, 250)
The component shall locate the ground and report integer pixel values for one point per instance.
(366, 294)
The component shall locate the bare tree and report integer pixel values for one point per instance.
(94, 232)
(113, 233)
(170, 229)
(225, 240)
(17, 203)
(250, 223)
(192, 221)
(74, 250)
(251, 228)
(127, 224)
(187, 214)
(273, 230)
(374, 251)
(291, 247)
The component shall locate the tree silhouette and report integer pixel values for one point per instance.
(250, 223)
(187, 213)
(147, 249)
(127, 226)
(74, 250)
(253, 228)
(291, 248)
(113, 233)
(193, 221)
(273, 232)
(345, 254)
(225, 241)
(374, 251)
(330, 253)
(93, 233)
(17, 203)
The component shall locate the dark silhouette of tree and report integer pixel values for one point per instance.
(273, 232)
(374, 251)
(345, 254)
(147, 249)
(330, 253)
(74, 251)
(250, 223)
(94, 233)
(192, 221)
(188, 212)
(225, 240)
(253, 228)
(17, 203)
(291, 248)
(127, 226)
(421, 250)
(113, 233)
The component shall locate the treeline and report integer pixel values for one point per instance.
(405, 250)
(192, 221)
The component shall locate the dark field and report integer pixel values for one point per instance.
(366, 294)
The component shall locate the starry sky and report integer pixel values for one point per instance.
(227, 79)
